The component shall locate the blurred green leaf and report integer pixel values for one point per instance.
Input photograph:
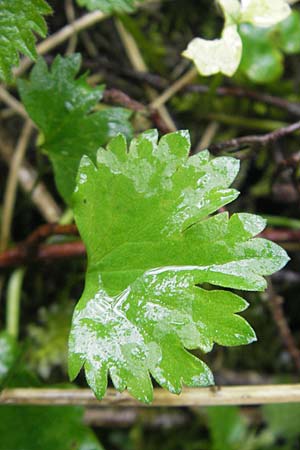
(262, 61)
(9, 353)
(283, 419)
(228, 429)
(289, 34)
(45, 428)
(49, 338)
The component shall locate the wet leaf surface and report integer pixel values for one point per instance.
(143, 216)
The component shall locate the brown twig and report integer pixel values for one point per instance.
(281, 234)
(116, 96)
(275, 303)
(71, 16)
(11, 186)
(61, 36)
(28, 177)
(32, 249)
(255, 139)
(234, 91)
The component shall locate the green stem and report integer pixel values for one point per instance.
(250, 123)
(14, 290)
(277, 221)
(67, 218)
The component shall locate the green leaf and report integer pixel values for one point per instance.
(227, 427)
(283, 419)
(288, 33)
(143, 216)
(47, 428)
(63, 109)
(18, 20)
(262, 61)
(48, 339)
(109, 6)
(9, 353)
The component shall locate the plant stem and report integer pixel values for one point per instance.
(277, 221)
(14, 290)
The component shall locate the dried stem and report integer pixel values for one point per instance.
(27, 177)
(31, 249)
(275, 304)
(174, 88)
(70, 13)
(12, 102)
(139, 65)
(61, 36)
(11, 187)
(231, 395)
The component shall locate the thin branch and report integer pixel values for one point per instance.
(12, 102)
(233, 395)
(235, 91)
(275, 303)
(61, 36)
(11, 187)
(281, 234)
(126, 417)
(19, 256)
(116, 96)
(31, 249)
(27, 177)
(139, 65)
(255, 139)
(208, 136)
(174, 88)
(71, 16)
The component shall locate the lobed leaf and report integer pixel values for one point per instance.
(143, 215)
(63, 106)
(19, 19)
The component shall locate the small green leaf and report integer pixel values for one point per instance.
(109, 6)
(45, 427)
(9, 353)
(143, 215)
(18, 20)
(63, 109)
(288, 33)
(262, 61)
